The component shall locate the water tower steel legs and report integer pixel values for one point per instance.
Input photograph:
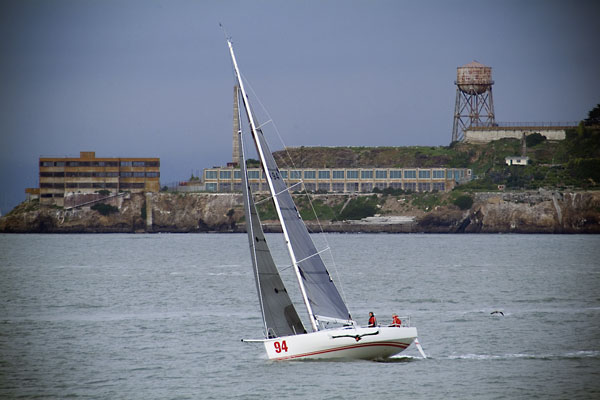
(472, 110)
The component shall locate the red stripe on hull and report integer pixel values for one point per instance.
(314, 353)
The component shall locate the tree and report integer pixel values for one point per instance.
(593, 117)
(463, 202)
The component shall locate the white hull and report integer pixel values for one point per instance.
(372, 343)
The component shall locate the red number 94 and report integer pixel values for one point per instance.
(280, 346)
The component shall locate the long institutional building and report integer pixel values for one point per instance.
(61, 177)
(341, 180)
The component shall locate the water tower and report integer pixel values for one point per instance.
(474, 102)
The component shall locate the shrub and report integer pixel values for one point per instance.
(104, 209)
(359, 208)
(534, 138)
(463, 202)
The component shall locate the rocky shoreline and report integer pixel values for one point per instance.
(492, 212)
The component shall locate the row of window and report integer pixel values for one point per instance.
(89, 185)
(99, 163)
(349, 174)
(366, 187)
(100, 174)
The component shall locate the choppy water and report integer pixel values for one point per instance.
(161, 317)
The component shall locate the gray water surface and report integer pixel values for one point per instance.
(161, 317)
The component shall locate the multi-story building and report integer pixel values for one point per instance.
(61, 177)
(341, 180)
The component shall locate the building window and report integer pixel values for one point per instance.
(210, 174)
(381, 185)
(284, 174)
(410, 174)
(72, 164)
(396, 185)
(295, 174)
(412, 186)
(310, 187)
(395, 174)
(225, 175)
(211, 187)
(309, 174)
(352, 174)
(237, 174)
(438, 174)
(152, 174)
(381, 174)
(424, 174)
(366, 174)
(324, 174)
(323, 186)
(424, 186)
(337, 187)
(439, 186)
(366, 187)
(352, 186)
(125, 163)
(225, 187)
(255, 174)
(139, 174)
(138, 163)
(338, 174)
(126, 174)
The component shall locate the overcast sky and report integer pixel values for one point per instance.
(153, 78)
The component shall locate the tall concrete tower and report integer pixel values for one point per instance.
(474, 102)
(235, 154)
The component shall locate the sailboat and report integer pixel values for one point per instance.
(333, 333)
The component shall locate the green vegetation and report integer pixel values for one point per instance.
(426, 201)
(534, 139)
(104, 209)
(464, 202)
(103, 192)
(359, 207)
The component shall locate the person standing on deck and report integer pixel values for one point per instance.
(395, 320)
(372, 320)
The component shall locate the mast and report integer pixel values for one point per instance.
(269, 178)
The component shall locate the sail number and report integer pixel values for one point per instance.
(279, 347)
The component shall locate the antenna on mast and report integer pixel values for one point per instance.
(227, 37)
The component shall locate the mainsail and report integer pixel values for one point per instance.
(279, 315)
(321, 297)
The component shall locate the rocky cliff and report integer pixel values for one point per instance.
(511, 212)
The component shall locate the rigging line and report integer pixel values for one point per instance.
(314, 254)
(306, 258)
(277, 194)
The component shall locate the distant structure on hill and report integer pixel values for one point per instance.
(553, 131)
(73, 181)
(341, 180)
(474, 117)
(474, 105)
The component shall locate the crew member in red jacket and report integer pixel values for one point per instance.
(396, 321)
(372, 320)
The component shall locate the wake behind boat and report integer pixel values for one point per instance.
(285, 335)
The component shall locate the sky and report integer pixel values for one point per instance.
(153, 78)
